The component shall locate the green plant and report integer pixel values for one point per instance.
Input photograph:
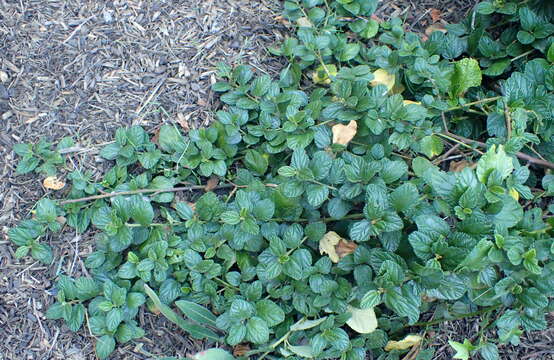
(335, 225)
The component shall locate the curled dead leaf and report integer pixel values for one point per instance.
(335, 246)
(435, 14)
(241, 349)
(344, 248)
(183, 121)
(212, 183)
(343, 134)
(61, 220)
(406, 343)
(362, 321)
(457, 166)
(53, 183)
(382, 77)
(435, 27)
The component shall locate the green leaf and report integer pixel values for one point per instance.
(305, 324)
(365, 28)
(287, 171)
(494, 160)
(195, 331)
(77, 317)
(256, 162)
(550, 53)
(184, 211)
(403, 301)
(46, 211)
(213, 354)
(105, 345)
(264, 210)
(141, 210)
(489, 351)
(467, 73)
(196, 312)
(257, 330)
(270, 312)
(431, 146)
(404, 197)
(316, 194)
(349, 52)
(525, 37)
(170, 139)
(371, 299)
(485, 8)
(230, 217)
(111, 151)
(42, 253)
(462, 350)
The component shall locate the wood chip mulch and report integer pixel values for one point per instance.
(83, 68)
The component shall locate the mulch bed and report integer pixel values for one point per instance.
(83, 68)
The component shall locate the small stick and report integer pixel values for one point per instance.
(520, 155)
(141, 191)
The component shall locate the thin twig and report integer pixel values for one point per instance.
(520, 155)
(141, 191)
(482, 101)
(508, 121)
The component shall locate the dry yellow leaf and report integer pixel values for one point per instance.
(53, 183)
(327, 245)
(435, 27)
(335, 246)
(382, 77)
(406, 343)
(408, 102)
(362, 321)
(342, 134)
(304, 22)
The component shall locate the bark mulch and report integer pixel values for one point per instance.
(83, 68)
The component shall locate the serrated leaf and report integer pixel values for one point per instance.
(467, 73)
(213, 354)
(105, 345)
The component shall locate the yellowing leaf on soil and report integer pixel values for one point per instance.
(406, 343)
(362, 321)
(408, 102)
(53, 183)
(342, 134)
(322, 74)
(382, 77)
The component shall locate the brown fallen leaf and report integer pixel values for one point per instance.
(53, 183)
(342, 134)
(458, 166)
(282, 20)
(335, 246)
(435, 14)
(435, 27)
(241, 349)
(183, 121)
(212, 183)
(344, 248)
(61, 220)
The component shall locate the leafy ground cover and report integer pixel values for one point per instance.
(330, 221)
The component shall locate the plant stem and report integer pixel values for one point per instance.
(482, 101)
(141, 191)
(463, 316)
(523, 156)
(325, 220)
